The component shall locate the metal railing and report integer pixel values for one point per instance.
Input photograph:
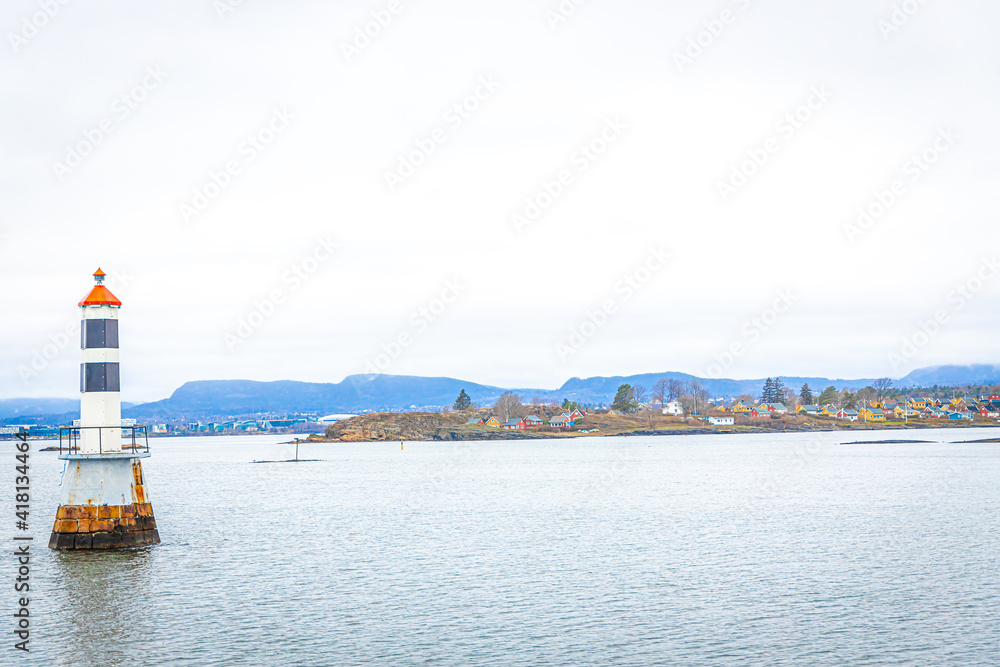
(136, 445)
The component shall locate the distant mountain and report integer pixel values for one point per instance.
(356, 393)
(61, 410)
(948, 376)
(17, 407)
(211, 399)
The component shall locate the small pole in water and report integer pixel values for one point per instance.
(296, 449)
(400, 445)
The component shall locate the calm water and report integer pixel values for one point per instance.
(742, 550)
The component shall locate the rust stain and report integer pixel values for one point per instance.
(102, 526)
(65, 526)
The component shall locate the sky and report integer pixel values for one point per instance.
(510, 193)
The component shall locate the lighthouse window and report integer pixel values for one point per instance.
(100, 377)
(99, 333)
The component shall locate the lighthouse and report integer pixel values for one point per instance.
(103, 501)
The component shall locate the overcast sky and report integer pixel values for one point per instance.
(277, 197)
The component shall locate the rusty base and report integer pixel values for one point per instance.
(104, 527)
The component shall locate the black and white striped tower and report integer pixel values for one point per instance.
(104, 502)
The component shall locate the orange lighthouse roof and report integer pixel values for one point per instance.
(100, 295)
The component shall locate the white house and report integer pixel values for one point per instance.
(722, 421)
(673, 408)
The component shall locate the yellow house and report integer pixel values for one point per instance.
(742, 407)
(918, 403)
(871, 415)
(958, 402)
(492, 421)
(829, 411)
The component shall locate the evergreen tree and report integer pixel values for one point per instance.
(463, 402)
(828, 396)
(624, 399)
(767, 395)
(778, 395)
(806, 395)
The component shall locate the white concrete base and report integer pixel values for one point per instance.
(100, 482)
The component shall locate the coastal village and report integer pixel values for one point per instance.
(883, 410)
(986, 408)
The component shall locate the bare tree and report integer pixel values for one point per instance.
(639, 395)
(660, 391)
(649, 414)
(687, 403)
(698, 393)
(882, 386)
(508, 406)
(674, 389)
(865, 396)
(789, 397)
